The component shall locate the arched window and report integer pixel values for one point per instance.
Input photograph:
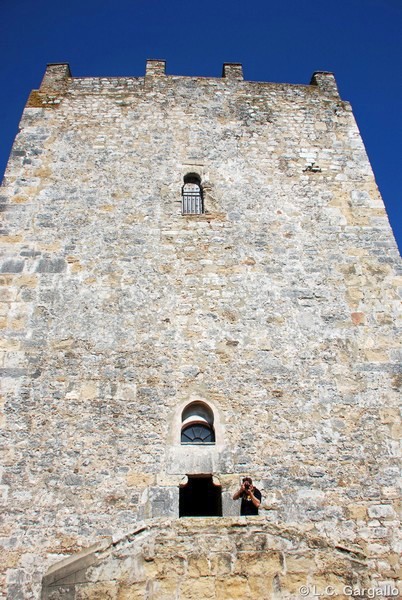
(197, 424)
(192, 200)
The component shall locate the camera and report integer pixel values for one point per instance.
(247, 485)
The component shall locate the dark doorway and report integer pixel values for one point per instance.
(200, 498)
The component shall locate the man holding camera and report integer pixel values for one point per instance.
(250, 497)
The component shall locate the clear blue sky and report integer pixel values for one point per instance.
(276, 40)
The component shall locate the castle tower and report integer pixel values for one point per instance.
(200, 283)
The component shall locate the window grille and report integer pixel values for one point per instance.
(192, 201)
(197, 434)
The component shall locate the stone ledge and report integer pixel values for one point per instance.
(216, 216)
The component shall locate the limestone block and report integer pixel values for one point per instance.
(88, 390)
(167, 566)
(106, 590)
(234, 586)
(193, 589)
(357, 512)
(198, 566)
(140, 480)
(381, 511)
(261, 586)
(134, 591)
(301, 564)
(221, 563)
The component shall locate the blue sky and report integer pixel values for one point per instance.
(276, 40)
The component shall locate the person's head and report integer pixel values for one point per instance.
(247, 482)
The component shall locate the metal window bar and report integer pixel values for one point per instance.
(192, 203)
(197, 433)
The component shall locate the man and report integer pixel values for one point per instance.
(250, 497)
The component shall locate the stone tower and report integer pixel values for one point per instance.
(200, 283)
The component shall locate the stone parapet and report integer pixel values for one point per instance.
(221, 559)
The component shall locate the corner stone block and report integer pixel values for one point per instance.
(55, 77)
(232, 71)
(326, 82)
(155, 67)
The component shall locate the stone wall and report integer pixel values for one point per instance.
(277, 307)
(189, 559)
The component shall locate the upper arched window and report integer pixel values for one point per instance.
(197, 424)
(192, 200)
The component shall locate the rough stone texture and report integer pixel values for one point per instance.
(210, 558)
(278, 307)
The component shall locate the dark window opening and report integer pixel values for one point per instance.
(200, 497)
(192, 199)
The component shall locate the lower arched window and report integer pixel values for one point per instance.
(197, 424)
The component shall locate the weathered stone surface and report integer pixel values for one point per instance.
(185, 567)
(278, 308)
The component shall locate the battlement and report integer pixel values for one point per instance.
(57, 76)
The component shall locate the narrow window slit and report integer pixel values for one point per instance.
(192, 197)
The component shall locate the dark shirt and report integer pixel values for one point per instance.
(247, 507)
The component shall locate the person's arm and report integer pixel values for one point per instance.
(254, 500)
(239, 493)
